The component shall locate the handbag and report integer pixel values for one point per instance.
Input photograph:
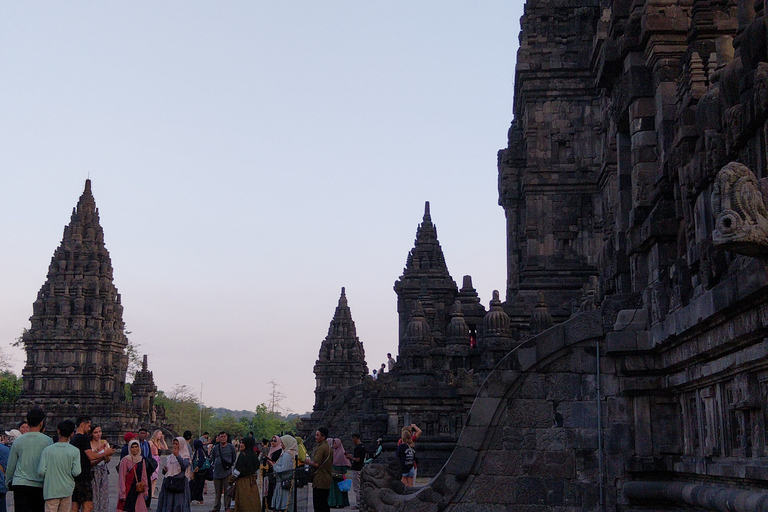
(140, 486)
(175, 484)
(345, 485)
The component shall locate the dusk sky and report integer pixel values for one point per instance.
(249, 159)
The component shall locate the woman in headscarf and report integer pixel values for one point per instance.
(247, 498)
(131, 473)
(156, 444)
(302, 450)
(199, 472)
(284, 472)
(275, 450)
(337, 498)
(175, 465)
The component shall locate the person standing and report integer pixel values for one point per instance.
(199, 471)
(100, 477)
(146, 452)
(246, 471)
(59, 465)
(322, 462)
(23, 463)
(390, 362)
(284, 473)
(4, 453)
(176, 464)
(336, 497)
(275, 450)
(132, 476)
(357, 458)
(222, 459)
(156, 445)
(82, 496)
(383, 369)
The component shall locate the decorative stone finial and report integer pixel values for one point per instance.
(541, 320)
(496, 321)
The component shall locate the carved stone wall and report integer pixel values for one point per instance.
(664, 274)
(76, 359)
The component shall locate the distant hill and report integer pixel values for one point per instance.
(222, 411)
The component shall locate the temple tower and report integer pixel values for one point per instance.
(143, 391)
(426, 279)
(341, 362)
(76, 344)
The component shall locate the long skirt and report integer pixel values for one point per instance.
(172, 501)
(198, 484)
(280, 496)
(247, 497)
(100, 483)
(336, 498)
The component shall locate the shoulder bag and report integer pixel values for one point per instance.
(140, 486)
(175, 484)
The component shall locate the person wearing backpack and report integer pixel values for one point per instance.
(406, 454)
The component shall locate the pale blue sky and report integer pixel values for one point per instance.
(248, 160)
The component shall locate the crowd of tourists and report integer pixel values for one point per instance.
(69, 473)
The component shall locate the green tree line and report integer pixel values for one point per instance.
(184, 411)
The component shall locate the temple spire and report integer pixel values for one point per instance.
(341, 361)
(78, 307)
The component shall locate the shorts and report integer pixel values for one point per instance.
(409, 474)
(83, 491)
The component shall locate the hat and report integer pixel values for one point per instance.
(128, 436)
(13, 434)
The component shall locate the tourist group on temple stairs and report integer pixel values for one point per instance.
(69, 472)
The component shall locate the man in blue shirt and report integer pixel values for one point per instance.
(4, 453)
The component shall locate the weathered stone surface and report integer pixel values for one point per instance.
(76, 344)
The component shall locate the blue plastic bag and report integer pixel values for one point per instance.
(345, 485)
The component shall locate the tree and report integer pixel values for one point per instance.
(266, 423)
(10, 387)
(183, 410)
(135, 360)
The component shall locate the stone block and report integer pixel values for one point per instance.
(482, 412)
(563, 386)
(622, 341)
(578, 414)
(583, 326)
(618, 438)
(549, 342)
(642, 108)
(493, 489)
(530, 413)
(460, 463)
(552, 439)
(505, 463)
(516, 439)
(533, 386)
(472, 437)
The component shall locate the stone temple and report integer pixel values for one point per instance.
(627, 368)
(76, 345)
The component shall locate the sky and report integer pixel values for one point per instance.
(248, 159)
